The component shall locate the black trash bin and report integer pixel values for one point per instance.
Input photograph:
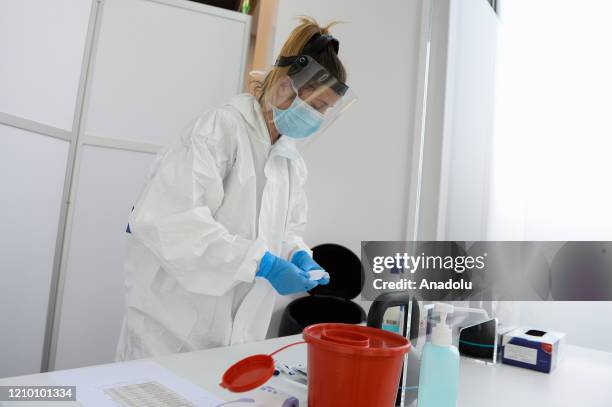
(332, 302)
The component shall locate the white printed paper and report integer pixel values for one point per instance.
(125, 385)
(148, 394)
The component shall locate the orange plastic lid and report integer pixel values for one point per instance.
(248, 373)
(251, 372)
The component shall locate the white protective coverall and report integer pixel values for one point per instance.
(213, 205)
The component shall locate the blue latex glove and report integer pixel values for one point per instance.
(285, 277)
(303, 260)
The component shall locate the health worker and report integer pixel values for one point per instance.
(216, 232)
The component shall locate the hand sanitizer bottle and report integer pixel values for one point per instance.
(439, 375)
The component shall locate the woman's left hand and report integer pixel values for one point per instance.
(305, 262)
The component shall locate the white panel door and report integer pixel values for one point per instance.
(158, 65)
(93, 301)
(32, 171)
(41, 48)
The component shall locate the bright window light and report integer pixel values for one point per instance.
(552, 162)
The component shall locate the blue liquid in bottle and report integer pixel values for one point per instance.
(439, 374)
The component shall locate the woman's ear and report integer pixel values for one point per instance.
(285, 84)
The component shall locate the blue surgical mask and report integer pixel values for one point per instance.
(299, 120)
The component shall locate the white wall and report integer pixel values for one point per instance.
(359, 169)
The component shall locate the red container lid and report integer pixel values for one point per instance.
(356, 339)
(248, 373)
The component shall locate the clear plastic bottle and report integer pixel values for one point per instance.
(439, 374)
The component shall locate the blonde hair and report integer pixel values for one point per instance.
(299, 37)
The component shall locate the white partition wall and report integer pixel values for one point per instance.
(29, 215)
(157, 64)
(93, 301)
(42, 46)
(90, 90)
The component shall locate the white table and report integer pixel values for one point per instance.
(584, 378)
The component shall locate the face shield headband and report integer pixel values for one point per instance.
(310, 98)
(314, 47)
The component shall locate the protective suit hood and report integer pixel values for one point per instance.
(250, 110)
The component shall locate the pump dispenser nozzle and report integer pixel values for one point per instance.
(441, 334)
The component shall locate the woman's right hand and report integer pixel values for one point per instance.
(285, 277)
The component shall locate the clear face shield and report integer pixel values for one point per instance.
(308, 99)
